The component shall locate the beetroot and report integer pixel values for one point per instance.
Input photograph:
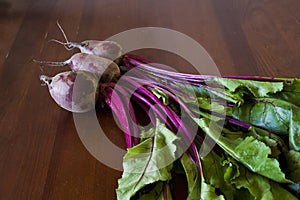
(73, 91)
(107, 49)
(105, 69)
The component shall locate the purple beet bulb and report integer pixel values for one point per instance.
(73, 91)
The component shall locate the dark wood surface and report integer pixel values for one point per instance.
(41, 156)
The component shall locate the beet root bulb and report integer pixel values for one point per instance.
(105, 69)
(73, 91)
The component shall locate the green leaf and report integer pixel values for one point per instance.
(274, 115)
(232, 169)
(259, 186)
(251, 152)
(208, 104)
(193, 177)
(276, 144)
(254, 154)
(148, 162)
(293, 165)
(207, 91)
(161, 95)
(290, 92)
(255, 88)
(270, 114)
(213, 176)
(288, 158)
(208, 192)
(294, 128)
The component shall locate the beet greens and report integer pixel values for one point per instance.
(256, 116)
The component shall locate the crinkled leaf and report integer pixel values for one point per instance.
(255, 88)
(275, 115)
(208, 192)
(276, 144)
(148, 162)
(249, 151)
(145, 134)
(213, 176)
(193, 177)
(232, 169)
(290, 92)
(254, 154)
(259, 186)
(289, 158)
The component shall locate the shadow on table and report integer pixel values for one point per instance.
(4, 8)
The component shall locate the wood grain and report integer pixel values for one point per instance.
(41, 156)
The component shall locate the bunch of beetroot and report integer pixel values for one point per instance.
(254, 123)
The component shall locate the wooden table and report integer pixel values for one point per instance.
(41, 156)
